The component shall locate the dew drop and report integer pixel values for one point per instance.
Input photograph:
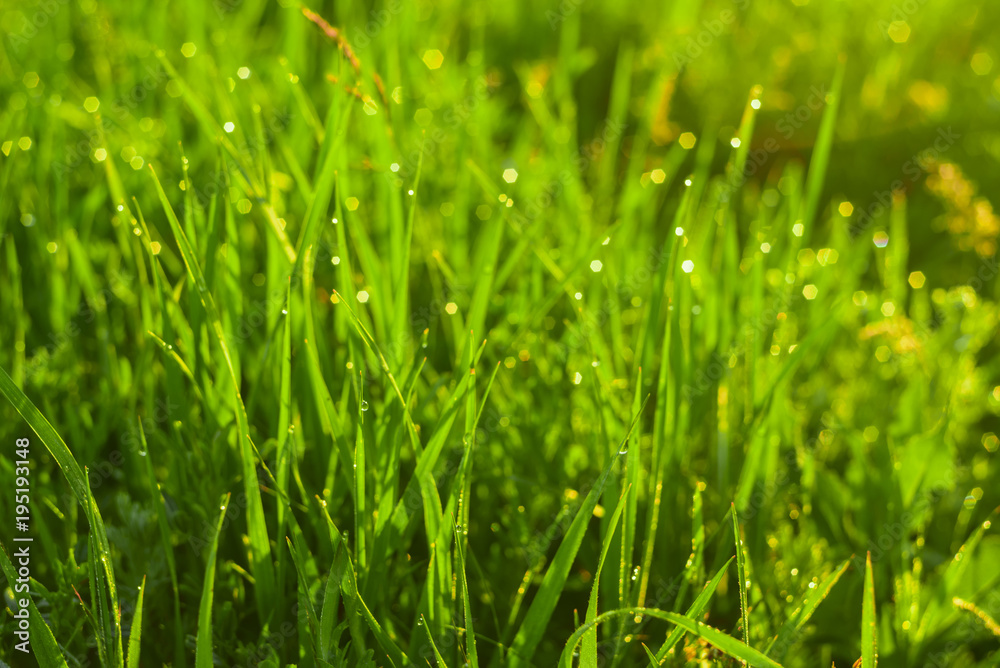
(142, 453)
(364, 405)
(624, 447)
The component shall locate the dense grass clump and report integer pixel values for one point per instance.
(591, 333)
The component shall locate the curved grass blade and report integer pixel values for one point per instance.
(987, 621)
(726, 643)
(694, 612)
(81, 489)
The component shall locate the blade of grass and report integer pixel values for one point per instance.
(741, 576)
(726, 643)
(869, 657)
(588, 653)
(203, 646)
(470, 635)
(694, 611)
(135, 635)
(821, 154)
(305, 599)
(430, 639)
(81, 489)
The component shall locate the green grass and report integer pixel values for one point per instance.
(593, 333)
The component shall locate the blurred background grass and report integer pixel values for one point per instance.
(588, 116)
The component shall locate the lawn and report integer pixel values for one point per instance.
(589, 333)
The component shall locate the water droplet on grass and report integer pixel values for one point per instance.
(364, 405)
